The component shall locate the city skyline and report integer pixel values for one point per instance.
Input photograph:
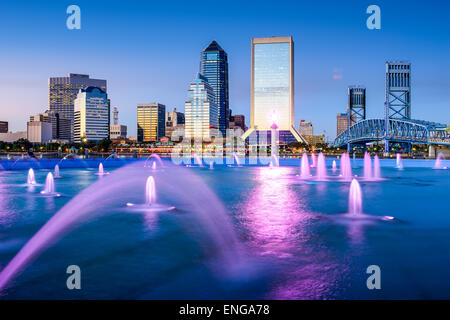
(325, 63)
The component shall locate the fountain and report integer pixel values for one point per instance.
(304, 167)
(31, 178)
(274, 161)
(346, 167)
(313, 160)
(153, 156)
(333, 166)
(321, 168)
(211, 165)
(100, 169)
(376, 168)
(49, 188)
(57, 175)
(399, 163)
(215, 229)
(367, 166)
(150, 191)
(355, 199)
(154, 165)
(438, 163)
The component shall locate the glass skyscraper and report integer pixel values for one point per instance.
(272, 87)
(201, 110)
(214, 67)
(91, 115)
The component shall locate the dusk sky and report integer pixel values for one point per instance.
(149, 51)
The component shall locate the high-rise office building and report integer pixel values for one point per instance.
(62, 91)
(3, 126)
(272, 88)
(214, 66)
(306, 128)
(91, 115)
(40, 129)
(151, 122)
(60, 129)
(356, 107)
(398, 90)
(174, 120)
(341, 123)
(201, 110)
(237, 121)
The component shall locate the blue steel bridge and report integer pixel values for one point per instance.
(403, 131)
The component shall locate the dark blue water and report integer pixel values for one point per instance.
(295, 238)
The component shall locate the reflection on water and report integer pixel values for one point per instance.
(280, 227)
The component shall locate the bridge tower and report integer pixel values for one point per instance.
(356, 107)
(398, 94)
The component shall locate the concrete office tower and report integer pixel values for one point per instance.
(116, 130)
(91, 115)
(214, 67)
(237, 121)
(60, 128)
(201, 110)
(151, 122)
(341, 123)
(398, 90)
(62, 92)
(174, 121)
(40, 129)
(306, 128)
(272, 88)
(356, 107)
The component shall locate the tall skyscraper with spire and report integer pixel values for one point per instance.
(214, 67)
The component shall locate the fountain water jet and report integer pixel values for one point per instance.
(49, 188)
(399, 163)
(346, 167)
(367, 167)
(57, 172)
(304, 167)
(150, 191)
(321, 167)
(355, 199)
(100, 169)
(236, 159)
(154, 165)
(313, 160)
(211, 165)
(333, 166)
(31, 178)
(438, 163)
(376, 168)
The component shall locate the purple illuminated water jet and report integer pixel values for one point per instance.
(399, 163)
(150, 191)
(198, 160)
(100, 169)
(367, 166)
(346, 167)
(333, 166)
(313, 160)
(355, 198)
(57, 172)
(321, 168)
(376, 168)
(31, 178)
(304, 167)
(154, 165)
(49, 188)
(438, 163)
